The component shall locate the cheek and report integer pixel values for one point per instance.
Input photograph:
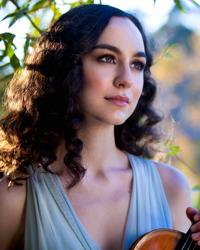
(138, 86)
(95, 82)
(94, 88)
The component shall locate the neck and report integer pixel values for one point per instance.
(99, 152)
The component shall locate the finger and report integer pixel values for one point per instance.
(191, 212)
(196, 236)
(197, 217)
(196, 227)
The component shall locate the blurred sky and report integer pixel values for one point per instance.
(153, 16)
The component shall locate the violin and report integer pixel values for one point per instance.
(165, 239)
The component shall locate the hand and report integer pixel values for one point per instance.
(194, 215)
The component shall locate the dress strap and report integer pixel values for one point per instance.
(149, 208)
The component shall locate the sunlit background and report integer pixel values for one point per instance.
(175, 40)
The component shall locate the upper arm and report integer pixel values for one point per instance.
(12, 205)
(178, 194)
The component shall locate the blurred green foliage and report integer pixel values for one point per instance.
(33, 11)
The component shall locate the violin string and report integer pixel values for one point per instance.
(186, 241)
(193, 245)
(190, 246)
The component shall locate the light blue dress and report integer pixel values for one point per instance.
(52, 224)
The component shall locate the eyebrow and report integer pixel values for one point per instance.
(118, 51)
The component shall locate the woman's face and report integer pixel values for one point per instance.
(113, 74)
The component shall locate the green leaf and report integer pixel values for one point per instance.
(168, 50)
(9, 15)
(3, 3)
(179, 5)
(80, 2)
(7, 36)
(18, 13)
(173, 149)
(4, 65)
(196, 188)
(195, 3)
(39, 5)
(15, 62)
(90, 2)
(9, 50)
(56, 12)
(26, 46)
(17, 16)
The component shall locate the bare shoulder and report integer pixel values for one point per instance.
(178, 193)
(12, 211)
(173, 179)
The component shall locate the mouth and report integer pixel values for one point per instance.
(120, 101)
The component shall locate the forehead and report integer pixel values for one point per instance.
(122, 33)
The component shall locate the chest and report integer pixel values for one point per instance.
(103, 213)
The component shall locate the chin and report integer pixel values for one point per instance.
(119, 121)
(113, 118)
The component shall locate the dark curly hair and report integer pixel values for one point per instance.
(42, 100)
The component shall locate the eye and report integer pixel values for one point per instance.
(106, 59)
(138, 65)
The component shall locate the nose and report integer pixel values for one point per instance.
(124, 78)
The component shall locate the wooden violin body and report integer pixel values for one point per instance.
(165, 239)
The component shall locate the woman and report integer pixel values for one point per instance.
(77, 135)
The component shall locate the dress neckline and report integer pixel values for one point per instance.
(76, 222)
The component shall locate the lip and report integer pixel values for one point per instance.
(118, 100)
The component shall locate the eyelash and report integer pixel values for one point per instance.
(138, 65)
(110, 57)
